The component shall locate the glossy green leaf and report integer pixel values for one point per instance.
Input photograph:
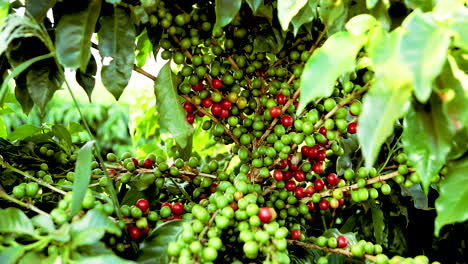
(17, 71)
(454, 83)
(382, 106)
(143, 49)
(82, 176)
(427, 139)
(453, 194)
(304, 16)
(361, 24)
(424, 50)
(335, 57)
(38, 8)
(44, 222)
(15, 221)
(73, 35)
(334, 14)
(117, 49)
(87, 78)
(226, 10)
(104, 259)
(287, 10)
(459, 146)
(10, 255)
(4, 6)
(92, 227)
(154, 248)
(23, 132)
(42, 81)
(254, 4)
(172, 115)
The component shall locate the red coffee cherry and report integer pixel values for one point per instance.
(217, 83)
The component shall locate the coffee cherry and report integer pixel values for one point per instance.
(198, 87)
(148, 163)
(32, 188)
(290, 185)
(287, 121)
(295, 234)
(217, 83)
(299, 176)
(355, 108)
(278, 175)
(281, 99)
(177, 208)
(207, 102)
(226, 104)
(189, 107)
(319, 184)
(352, 128)
(275, 111)
(342, 241)
(324, 204)
(134, 233)
(332, 179)
(318, 168)
(265, 214)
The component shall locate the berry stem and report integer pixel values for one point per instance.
(208, 225)
(327, 249)
(31, 207)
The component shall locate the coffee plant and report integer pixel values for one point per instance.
(336, 132)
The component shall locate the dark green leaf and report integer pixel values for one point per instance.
(305, 15)
(424, 51)
(254, 4)
(427, 139)
(378, 223)
(142, 181)
(63, 136)
(104, 259)
(350, 146)
(23, 132)
(417, 194)
(287, 10)
(15, 221)
(42, 81)
(172, 116)
(38, 8)
(116, 43)
(86, 79)
(92, 227)
(335, 57)
(265, 11)
(424, 5)
(22, 93)
(44, 222)
(459, 146)
(73, 35)
(154, 248)
(453, 194)
(334, 14)
(10, 255)
(226, 10)
(82, 176)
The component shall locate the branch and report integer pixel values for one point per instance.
(334, 250)
(27, 205)
(142, 170)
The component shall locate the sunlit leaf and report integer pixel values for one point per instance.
(15, 221)
(287, 10)
(226, 10)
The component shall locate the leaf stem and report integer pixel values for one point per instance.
(31, 207)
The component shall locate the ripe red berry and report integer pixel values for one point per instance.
(342, 241)
(148, 163)
(166, 204)
(319, 185)
(287, 121)
(352, 128)
(134, 233)
(323, 131)
(175, 217)
(299, 176)
(313, 151)
(207, 102)
(190, 118)
(224, 114)
(290, 185)
(281, 99)
(216, 109)
(198, 87)
(189, 107)
(295, 234)
(226, 104)
(305, 150)
(282, 164)
(111, 172)
(275, 111)
(265, 214)
(310, 190)
(332, 179)
(310, 205)
(177, 208)
(145, 230)
(287, 175)
(299, 192)
(278, 175)
(143, 205)
(321, 155)
(217, 83)
(324, 204)
(135, 162)
(200, 114)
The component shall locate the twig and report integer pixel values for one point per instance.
(27, 205)
(208, 225)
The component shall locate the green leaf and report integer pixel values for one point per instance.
(226, 10)
(424, 50)
(378, 223)
(143, 49)
(424, 5)
(254, 4)
(113, 1)
(22, 93)
(304, 16)
(4, 6)
(427, 139)
(3, 130)
(334, 14)
(453, 194)
(63, 136)
(154, 248)
(42, 81)
(10, 255)
(73, 35)
(335, 57)
(116, 43)
(380, 12)
(23, 132)
(417, 194)
(459, 146)
(287, 10)
(82, 176)
(371, 3)
(142, 181)
(350, 146)
(361, 24)
(459, 25)
(87, 78)
(44, 222)
(92, 227)
(104, 259)
(172, 116)
(15, 221)
(382, 106)
(38, 8)
(16, 72)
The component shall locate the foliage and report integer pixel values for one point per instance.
(281, 132)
